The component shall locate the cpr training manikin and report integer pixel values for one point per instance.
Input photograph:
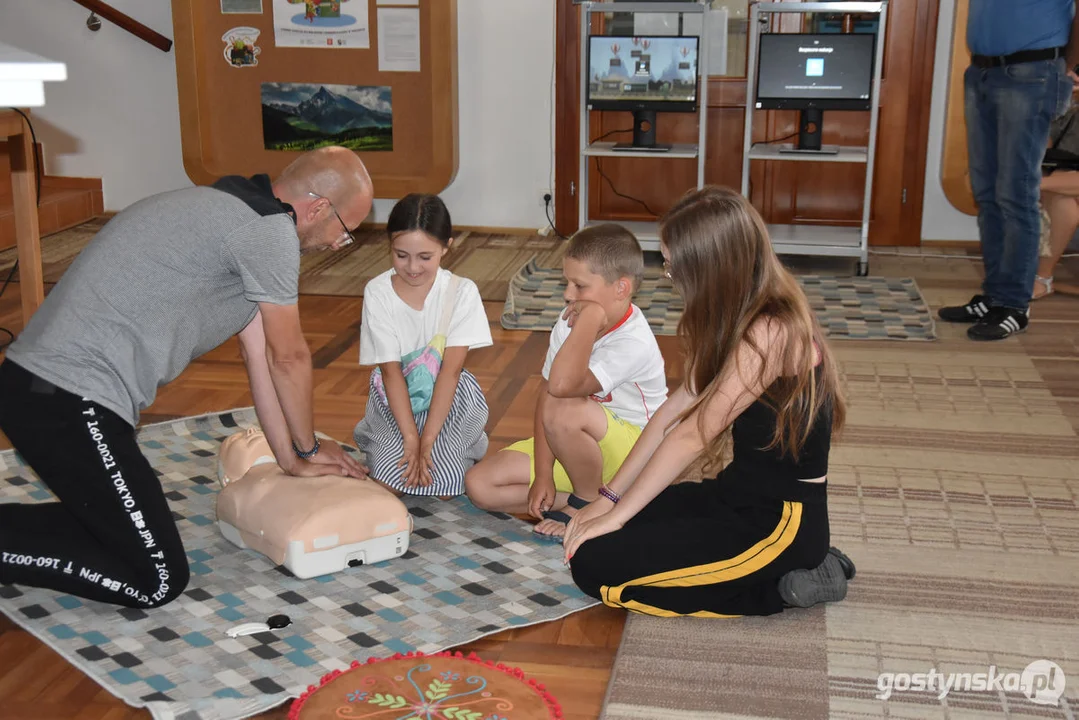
(311, 525)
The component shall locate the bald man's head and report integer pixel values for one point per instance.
(330, 178)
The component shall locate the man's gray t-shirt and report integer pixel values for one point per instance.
(165, 281)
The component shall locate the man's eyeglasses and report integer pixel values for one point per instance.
(351, 237)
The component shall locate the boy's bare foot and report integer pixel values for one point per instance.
(553, 526)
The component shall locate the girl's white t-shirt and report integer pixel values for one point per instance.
(391, 329)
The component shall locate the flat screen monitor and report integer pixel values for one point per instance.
(829, 71)
(642, 73)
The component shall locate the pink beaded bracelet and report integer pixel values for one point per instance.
(609, 494)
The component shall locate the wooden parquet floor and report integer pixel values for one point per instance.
(573, 656)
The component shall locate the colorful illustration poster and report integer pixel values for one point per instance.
(305, 116)
(340, 24)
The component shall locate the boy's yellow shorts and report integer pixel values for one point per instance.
(614, 447)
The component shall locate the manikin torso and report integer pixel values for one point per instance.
(271, 509)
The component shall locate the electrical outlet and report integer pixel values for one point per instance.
(546, 198)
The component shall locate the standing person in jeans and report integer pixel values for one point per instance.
(1018, 82)
(168, 279)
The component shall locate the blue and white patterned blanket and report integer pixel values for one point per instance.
(467, 574)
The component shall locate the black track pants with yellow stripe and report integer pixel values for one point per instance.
(711, 549)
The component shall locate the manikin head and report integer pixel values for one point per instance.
(240, 452)
(331, 193)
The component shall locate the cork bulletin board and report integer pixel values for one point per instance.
(253, 97)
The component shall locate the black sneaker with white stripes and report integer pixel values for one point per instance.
(999, 323)
(973, 311)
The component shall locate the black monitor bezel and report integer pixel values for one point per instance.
(634, 105)
(786, 103)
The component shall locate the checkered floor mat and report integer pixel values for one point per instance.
(850, 308)
(467, 574)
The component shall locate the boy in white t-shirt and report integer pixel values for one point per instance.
(602, 380)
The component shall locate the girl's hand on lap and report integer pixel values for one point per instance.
(410, 463)
(595, 509)
(604, 524)
(427, 463)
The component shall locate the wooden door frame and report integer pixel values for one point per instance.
(567, 118)
(914, 166)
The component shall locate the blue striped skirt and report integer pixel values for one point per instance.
(461, 443)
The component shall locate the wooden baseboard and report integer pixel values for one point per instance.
(60, 208)
(71, 183)
(963, 244)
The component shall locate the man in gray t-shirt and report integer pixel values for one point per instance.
(165, 281)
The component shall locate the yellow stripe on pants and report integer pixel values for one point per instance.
(759, 556)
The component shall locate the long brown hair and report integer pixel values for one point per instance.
(723, 265)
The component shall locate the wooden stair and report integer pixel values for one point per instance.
(65, 201)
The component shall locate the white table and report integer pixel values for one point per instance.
(23, 76)
(22, 84)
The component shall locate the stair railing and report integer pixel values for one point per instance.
(128, 23)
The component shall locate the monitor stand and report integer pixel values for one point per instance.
(644, 135)
(809, 136)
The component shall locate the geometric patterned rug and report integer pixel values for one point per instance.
(467, 574)
(851, 308)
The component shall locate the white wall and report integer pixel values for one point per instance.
(117, 115)
(941, 221)
(505, 58)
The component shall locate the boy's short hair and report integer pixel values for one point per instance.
(611, 251)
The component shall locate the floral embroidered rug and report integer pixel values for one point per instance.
(414, 686)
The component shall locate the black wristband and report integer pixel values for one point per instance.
(305, 454)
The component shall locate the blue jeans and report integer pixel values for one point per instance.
(1008, 112)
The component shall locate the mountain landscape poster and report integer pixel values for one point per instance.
(305, 116)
